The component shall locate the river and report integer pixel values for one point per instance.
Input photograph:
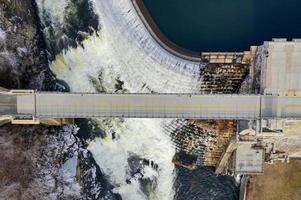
(225, 25)
(121, 56)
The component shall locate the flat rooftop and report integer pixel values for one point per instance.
(248, 160)
(281, 72)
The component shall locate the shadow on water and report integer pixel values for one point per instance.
(203, 184)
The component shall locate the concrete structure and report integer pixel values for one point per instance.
(139, 105)
(223, 162)
(40, 105)
(281, 68)
(8, 104)
(248, 159)
(228, 57)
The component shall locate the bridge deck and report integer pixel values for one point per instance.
(81, 105)
(146, 106)
(8, 104)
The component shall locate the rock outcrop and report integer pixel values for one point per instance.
(39, 162)
(23, 58)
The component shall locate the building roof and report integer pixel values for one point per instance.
(248, 160)
(281, 72)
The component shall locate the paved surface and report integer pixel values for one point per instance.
(81, 105)
(281, 107)
(248, 160)
(144, 106)
(8, 105)
(281, 72)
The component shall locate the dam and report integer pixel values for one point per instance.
(279, 97)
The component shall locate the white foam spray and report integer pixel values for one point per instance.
(124, 50)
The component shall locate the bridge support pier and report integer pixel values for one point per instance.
(2, 89)
(35, 121)
(5, 120)
(57, 121)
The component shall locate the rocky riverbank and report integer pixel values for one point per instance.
(39, 162)
(23, 59)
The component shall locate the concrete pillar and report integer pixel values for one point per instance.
(5, 119)
(57, 121)
(35, 121)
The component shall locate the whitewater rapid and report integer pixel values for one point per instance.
(123, 50)
(143, 138)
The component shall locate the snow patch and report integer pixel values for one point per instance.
(69, 167)
(2, 35)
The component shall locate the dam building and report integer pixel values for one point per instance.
(279, 99)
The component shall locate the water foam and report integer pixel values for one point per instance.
(124, 50)
(144, 138)
(54, 10)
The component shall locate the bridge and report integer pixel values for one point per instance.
(20, 104)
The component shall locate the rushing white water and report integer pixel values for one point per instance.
(6, 55)
(124, 50)
(144, 138)
(54, 10)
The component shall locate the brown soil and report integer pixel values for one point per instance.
(280, 181)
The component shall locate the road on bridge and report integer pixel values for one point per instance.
(84, 105)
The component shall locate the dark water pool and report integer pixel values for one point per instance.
(225, 25)
(203, 184)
